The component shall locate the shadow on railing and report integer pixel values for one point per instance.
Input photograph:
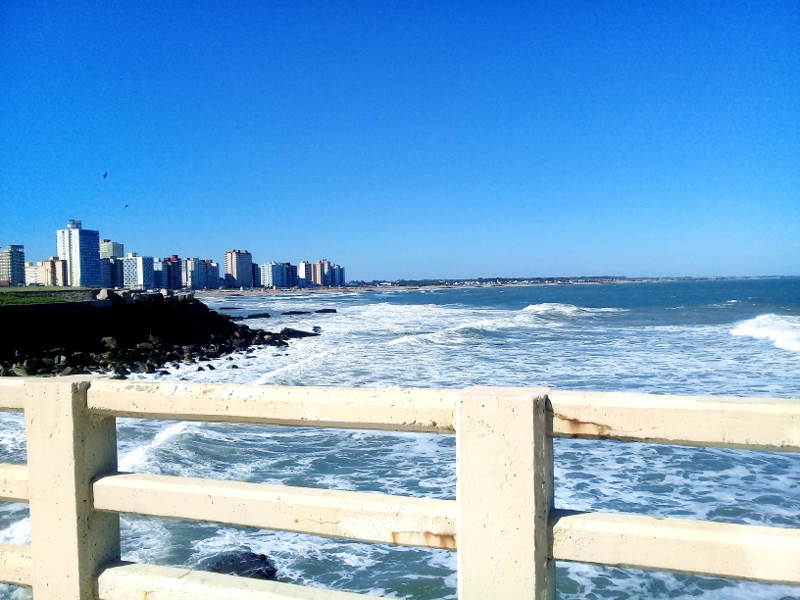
(502, 524)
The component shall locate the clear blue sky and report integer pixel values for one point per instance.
(419, 139)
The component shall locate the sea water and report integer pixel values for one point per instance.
(727, 337)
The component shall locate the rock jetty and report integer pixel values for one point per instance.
(123, 333)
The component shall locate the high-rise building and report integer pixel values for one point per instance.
(273, 275)
(159, 274)
(54, 272)
(304, 274)
(109, 249)
(33, 273)
(81, 249)
(173, 273)
(12, 265)
(106, 279)
(316, 272)
(291, 275)
(200, 274)
(137, 271)
(256, 275)
(279, 275)
(116, 274)
(212, 274)
(324, 272)
(191, 273)
(239, 268)
(337, 275)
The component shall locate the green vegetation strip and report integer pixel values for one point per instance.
(7, 299)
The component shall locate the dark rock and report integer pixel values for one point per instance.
(296, 312)
(20, 370)
(290, 333)
(325, 310)
(142, 335)
(211, 367)
(231, 308)
(120, 369)
(243, 562)
(316, 329)
(111, 295)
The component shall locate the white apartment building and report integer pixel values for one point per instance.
(81, 249)
(12, 265)
(137, 272)
(239, 268)
(109, 249)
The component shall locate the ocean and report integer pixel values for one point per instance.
(720, 337)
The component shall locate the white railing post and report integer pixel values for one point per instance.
(67, 448)
(504, 493)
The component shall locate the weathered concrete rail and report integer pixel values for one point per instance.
(502, 523)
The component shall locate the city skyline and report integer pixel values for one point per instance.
(411, 141)
(84, 259)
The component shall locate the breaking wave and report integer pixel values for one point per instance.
(782, 330)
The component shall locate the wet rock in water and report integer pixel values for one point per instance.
(20, 370)
(325, 310)
(290, 333)
(244, 563)
(231, 308)
(139, 333)
(316, 329)
(296, 312)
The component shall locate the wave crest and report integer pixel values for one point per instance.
(782, 330)
(569, 310)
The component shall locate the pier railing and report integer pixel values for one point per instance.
(502, 524)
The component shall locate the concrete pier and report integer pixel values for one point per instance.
(502, 523)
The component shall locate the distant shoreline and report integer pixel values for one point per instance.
(227, 292)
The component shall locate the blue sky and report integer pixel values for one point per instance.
(416, 139)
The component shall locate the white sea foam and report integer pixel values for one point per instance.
(782, 330)
(137, 457)
(569, 310)
(18, 532)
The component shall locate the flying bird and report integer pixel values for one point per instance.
(105, 174)
(126, 206)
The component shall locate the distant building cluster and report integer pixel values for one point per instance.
(84, 259)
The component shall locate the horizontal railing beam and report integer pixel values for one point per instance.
(15, 390)
(361, 516)
(137, 581)
(769, 554)
(13, 482)
(748, 423)
(421, 410)
(16, 565)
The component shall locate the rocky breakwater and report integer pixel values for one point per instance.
(122, 333)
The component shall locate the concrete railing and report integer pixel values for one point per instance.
(502, 523)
